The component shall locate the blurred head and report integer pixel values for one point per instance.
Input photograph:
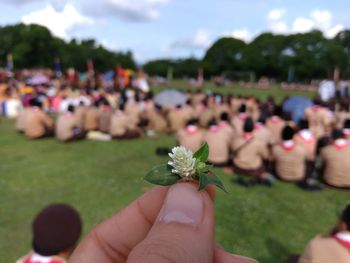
(178, 106)
(248, 125)
(337, 134)
(70, 108)
(347, 124)
(224, 117)
(345, 217)
(56, 229)
(212, 122)
(287, 116)
(303, 124)
(242, 108)
(287, 133)
(192, 122)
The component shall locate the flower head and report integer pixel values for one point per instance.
(182, 162)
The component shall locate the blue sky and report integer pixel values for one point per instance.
(174, 28)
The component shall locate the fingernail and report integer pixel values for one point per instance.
(183, 204)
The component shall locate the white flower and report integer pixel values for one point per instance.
(182, 162)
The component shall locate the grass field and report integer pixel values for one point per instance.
(99, 178)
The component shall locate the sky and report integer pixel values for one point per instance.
(154, 29)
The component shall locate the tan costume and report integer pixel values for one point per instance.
(251, 155)
(157, 122)
(178, 118)
(219, 146)
(205, 116)
(290, 161)
(275, 125)
(80, 114)
(190, 137)
(336, 161)
(92, 119)
(118, 126)
(105, 119)
(38, 124)
(319, 119)
(21, 119)
(262, 133)
(325, 250)
(65, 125)
(307, 140)
(238, 122)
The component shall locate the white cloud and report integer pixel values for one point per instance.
(136, 10)
(333, 31)
(59, 23)
(200, 40)
(242, 34)
(276, 14)
(302, 25)
(322, 18)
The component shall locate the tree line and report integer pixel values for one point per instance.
(295, 57)
(33, 46)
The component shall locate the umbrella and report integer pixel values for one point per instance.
(296, 106)
(39, 80)
(170, 98)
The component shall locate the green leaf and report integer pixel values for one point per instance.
(202, 154)
(215, 180)
(161, 175)
(203, 181)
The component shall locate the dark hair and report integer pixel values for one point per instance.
(192, 121)
(122, 106)
(347, 124)
(337, 134)
(278, 111)
(242, 108)
(262, 118)
(303, 124)
(224, 116)
(212, 122)
(287, 133)
(287, 116)
(179, 106)
(70, 108)
(346, 217)
(248, 125)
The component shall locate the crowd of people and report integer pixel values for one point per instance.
(255, 139)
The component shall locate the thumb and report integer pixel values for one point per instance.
(183, 231)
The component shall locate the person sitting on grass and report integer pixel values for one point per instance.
(56, 231)
(249, 154)
(219, 144)
(191, 137)
(335, 160)
(332, 248)
(67, 126)
(38, 124)
(289, 158)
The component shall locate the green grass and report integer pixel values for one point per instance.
(99, 178)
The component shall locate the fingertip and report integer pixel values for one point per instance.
(221, 256)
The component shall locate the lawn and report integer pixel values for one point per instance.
(100, 178)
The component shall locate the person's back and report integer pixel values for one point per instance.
(319, 120)
(105, 119)
(336, 162)
(21, 119)
(191, 137)
(118, 126)
(325, 250)
(38, 123)
(331, 248)
(262, 133)
(275, 125)
(157, 122)
(177, 118)
(80, 113)
(218, 144)
(92, 119)
(290, 158)
(65, 125)
(307, 140)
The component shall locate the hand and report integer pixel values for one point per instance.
(174, 225)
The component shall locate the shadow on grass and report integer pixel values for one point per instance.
(278, 253)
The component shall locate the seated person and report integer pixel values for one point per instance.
(105, 117)
(177, 118)
(346, 129)
(261, 132)
(121, 128)
(336, 161)
(157, 121)
(306, 139)
(219, 144)
(333, 248)
(275, 124)
(22, 116)
(38, 124)
(249, 152)
(56, 230)
(191, 137)
(92, 117)
(238, 121)
(67, 126)
(224, 124)
(289, 157)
